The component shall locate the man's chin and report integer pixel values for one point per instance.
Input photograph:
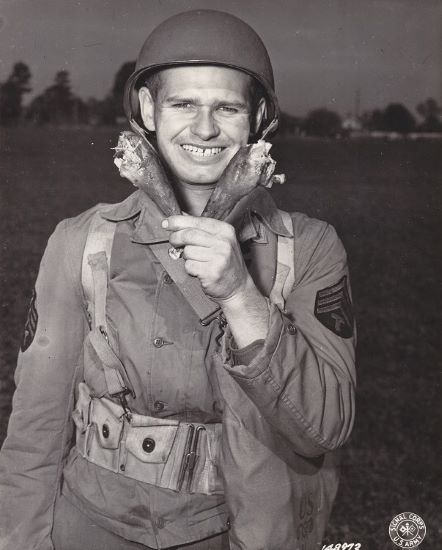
(199, 177)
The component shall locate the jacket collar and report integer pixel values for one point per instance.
(258, 206)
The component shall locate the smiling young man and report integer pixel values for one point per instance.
(201, 115)
(138, 420)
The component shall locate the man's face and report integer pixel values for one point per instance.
(201, 117)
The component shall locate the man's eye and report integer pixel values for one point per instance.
(182, 105)
(227, 109)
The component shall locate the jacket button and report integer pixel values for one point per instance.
(148, 445)
(168, 279)
(159, 406)
(105, 431)
(158, 342)
(291, 329)
(160, 523)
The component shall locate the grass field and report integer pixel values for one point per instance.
(384, 198)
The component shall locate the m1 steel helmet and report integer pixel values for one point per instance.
(204, 37)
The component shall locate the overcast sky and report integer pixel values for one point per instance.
(323, 51)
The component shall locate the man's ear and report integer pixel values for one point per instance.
(259, 115)
(147, 108)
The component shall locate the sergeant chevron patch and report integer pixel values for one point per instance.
(31, 324)
(334, 310)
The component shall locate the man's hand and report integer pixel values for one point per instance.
(212, 253)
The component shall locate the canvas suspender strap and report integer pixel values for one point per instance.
(285, 267)
(95, 276)
(190, 287)
(99, 270)
(113, 368)
(97, 250)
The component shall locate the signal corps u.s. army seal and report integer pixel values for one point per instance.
(407, 530)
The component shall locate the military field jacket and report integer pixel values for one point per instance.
(285, 402)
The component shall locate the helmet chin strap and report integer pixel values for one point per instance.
(271, 127)
(138, 129)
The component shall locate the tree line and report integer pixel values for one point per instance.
(394, 118)
(58, 105)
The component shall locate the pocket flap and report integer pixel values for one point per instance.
(108, 425)
(152, 443)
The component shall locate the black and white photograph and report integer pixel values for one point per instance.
(221, 261)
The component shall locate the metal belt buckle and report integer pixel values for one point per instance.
(103, 331)
(193, 456)
(190, 456)
(205, 321)
(121, 396)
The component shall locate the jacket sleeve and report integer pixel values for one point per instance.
(302, 376)
(39, 427)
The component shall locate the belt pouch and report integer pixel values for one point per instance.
(148, 449)
(105, 433)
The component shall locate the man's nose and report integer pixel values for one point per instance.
(204, 125)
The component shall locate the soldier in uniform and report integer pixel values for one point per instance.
(138, 420)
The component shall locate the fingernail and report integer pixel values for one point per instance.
(165, 224)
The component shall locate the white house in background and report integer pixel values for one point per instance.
(351, 124)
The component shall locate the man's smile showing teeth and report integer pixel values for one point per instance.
(202, 151)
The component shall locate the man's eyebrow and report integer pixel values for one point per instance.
(180, 99)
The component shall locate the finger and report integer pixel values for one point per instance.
(198, 253)
(175, 223)
(192, 236)
(193, 267)
(210, 225)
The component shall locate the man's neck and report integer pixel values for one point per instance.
(193, 198)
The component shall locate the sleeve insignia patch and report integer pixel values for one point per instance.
(334, 310)
(31, 324)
